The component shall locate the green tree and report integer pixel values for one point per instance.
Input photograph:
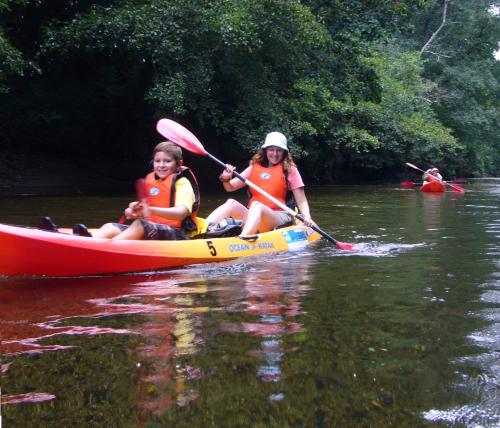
(404, 119)
(233, 70)
(12, 62)
(459, 59)
(229, 65)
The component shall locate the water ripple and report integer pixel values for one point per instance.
(470, 415)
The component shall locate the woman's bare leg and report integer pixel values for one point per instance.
(230, 208)
(260, 219)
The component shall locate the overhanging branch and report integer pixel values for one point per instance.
(443, 22)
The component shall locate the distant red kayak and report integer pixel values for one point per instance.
(433, 186)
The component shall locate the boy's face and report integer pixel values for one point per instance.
(163, 164)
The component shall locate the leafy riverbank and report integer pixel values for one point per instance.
(357, 87)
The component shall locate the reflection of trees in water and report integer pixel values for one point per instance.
(109, 306)
(32, 310)
(433, 205)
(170, 334)
(479, 371)
(272, 295)
(431, 209)
(161, 320)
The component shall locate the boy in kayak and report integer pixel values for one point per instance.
(272, 169)
(431, 175)
(169, 209)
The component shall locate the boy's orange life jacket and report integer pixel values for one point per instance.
(161, 193)
(272, 179)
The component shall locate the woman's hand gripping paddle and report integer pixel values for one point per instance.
(140, 194)
(454, 188)
(184, 138)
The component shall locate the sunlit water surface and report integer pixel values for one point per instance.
(405, 331)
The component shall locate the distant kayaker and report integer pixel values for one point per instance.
(169, 209)
(432, 174)
(272, 169)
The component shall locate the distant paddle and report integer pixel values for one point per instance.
(455, 188)
(184, 138)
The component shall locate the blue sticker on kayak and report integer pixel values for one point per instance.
(296, 239)
(295, 235)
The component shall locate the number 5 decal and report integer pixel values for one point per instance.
(212, 249)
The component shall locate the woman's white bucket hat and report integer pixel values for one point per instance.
(275, 139)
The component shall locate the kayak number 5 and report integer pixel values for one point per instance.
(212, 249)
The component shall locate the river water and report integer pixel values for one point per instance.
(405, 331)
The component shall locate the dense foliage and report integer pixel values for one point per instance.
(461, 63)
(343, 79)
(11, 59)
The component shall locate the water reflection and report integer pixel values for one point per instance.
(435, 206)
(272, 298)
(34, 313)
(404, 333)
(166, 314)
(432, 210)
(170, 333)
(36, 310)
(479, 376)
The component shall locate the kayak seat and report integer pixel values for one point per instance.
(46, 223)
(225, 228)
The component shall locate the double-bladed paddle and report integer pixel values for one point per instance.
(455, 188)
(184, 138)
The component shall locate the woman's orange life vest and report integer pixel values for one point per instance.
(272, 179)
(161, 193)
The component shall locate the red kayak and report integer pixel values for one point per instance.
(32, 252)
(433, 186)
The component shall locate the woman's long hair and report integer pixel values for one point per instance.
(261, 158)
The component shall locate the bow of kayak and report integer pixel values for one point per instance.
(32, 252)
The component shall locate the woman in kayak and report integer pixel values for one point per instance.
(272, 169)
(168, 211)
(432, 174)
